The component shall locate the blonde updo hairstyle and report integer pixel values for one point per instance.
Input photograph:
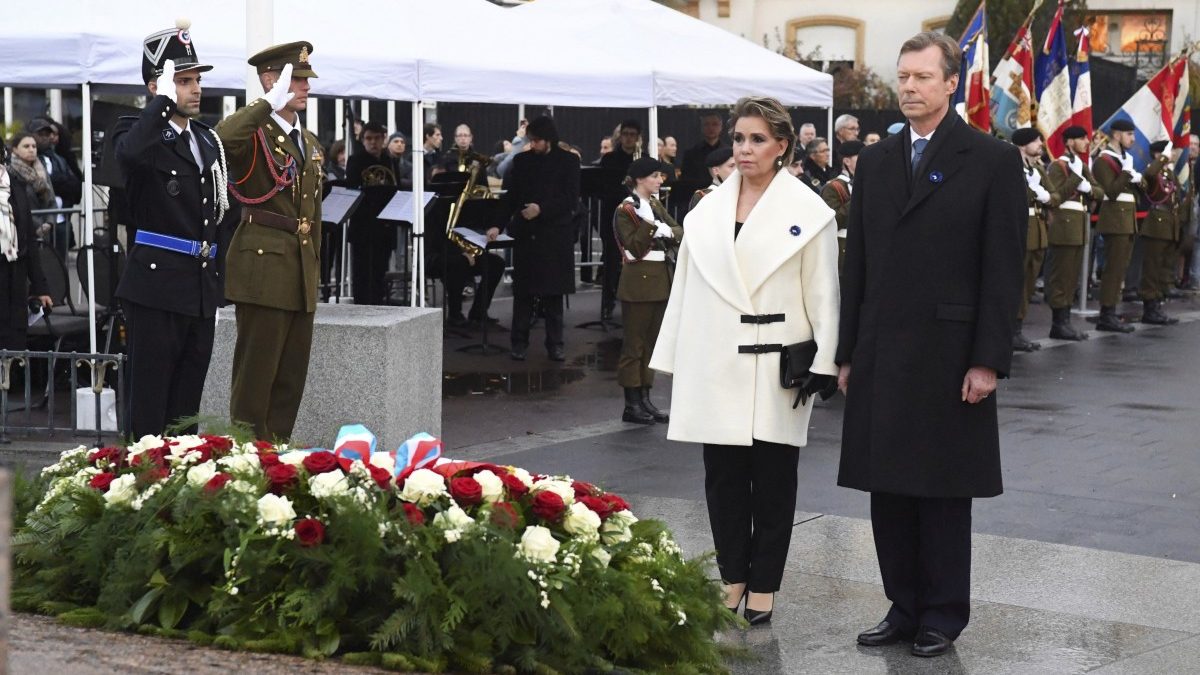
(778, 120)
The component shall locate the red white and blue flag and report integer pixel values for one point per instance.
(1159, 111)
(971, 99)
(1081, 84)
(1054, 84)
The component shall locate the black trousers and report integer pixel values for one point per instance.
(168, 361)
(924, 550)
(459, 272)
(14, 302)
(751, 494)
(611, 257)
(372, 259)
(552, 308)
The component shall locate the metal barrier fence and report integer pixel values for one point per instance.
(101, 408)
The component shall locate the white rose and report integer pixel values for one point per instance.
(275, 510)
(240, 463)
(122, 490)
(559, 487)
(143, 444)
(329, 484)
(199, 475)
(522, 475)
(384, 460)
(538, 544)
(616, 528)
(293, 458)
(453, 518)
(601, 556)
(581, 521)
(493, 487)
(423, 487)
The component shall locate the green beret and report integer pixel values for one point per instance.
(276, 57)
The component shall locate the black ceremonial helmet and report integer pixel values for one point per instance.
(172, 43)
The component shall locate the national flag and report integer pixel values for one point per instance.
(1081, 83)
(1012, 84)
(971, 99)
(1054, 83)
(1159, 111)
(1183, 125)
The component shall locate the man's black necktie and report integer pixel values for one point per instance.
(296, 139)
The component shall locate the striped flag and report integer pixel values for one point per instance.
(1053, 81)
(1012, 84)
(1159, 111)
(971, 99)
(1081, 84)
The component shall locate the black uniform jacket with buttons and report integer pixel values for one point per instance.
(169, 194)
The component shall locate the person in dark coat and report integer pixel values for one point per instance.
(542, 195)
(939, 207)
(630, 148)
(372, 241)
(22, 283)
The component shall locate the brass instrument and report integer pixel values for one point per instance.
(471, 163)
(378, 174)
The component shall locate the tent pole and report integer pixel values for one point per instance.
(88, 218)
(829, 116)
(339, 119)
(652, 141)
(417, 288)
(312, 117)
(8, 106)
(391, 117)
(520, 113)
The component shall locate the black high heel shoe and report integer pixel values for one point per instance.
(756, 618)
(741, 599)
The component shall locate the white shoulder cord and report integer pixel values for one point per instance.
(220, 172)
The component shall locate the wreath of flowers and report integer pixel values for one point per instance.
(464, 565)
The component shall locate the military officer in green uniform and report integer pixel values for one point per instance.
(720, 166)
(1160, 237)
(1074, 188)
(1114, 172)
(1039, 199)
(836, 192)
(273, 262)
(646, 235)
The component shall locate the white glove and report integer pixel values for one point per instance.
(1085, 187)
(279, 94)
(1040, 193)
(1127, 163)
(662, 230)
(1075, 164)
(1166, 153)
(166, 81)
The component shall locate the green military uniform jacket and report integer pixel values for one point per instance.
(644, 280)
(1117, 217)
(1036, 237)
(836, 194)
(1068, 226)
(267, 266)
(698, 195)
(1162, 220)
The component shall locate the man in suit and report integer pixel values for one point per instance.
(274, 259)
(938, 206)
(175, 178)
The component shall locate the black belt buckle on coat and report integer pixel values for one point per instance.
(759, 349)
(762, 318)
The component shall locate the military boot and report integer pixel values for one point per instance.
(1109, 321)
(1153, 313)
(658, 415)
(634, 412)
(1061, 328)
(1020, 343)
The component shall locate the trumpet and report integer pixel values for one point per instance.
(471, 163)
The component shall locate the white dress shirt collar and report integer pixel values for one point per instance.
(192, 141)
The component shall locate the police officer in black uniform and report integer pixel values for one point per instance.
(175, 176)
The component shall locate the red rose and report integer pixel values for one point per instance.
(282, 477)
(151, 456)
(321, 461)
(112, 455)
(466, 491)
(505, 515)
(583, 489)
(615, 503)
(204, 451)
(268, 459)
(264, 445)
(516, 489)
(219, 444)
(217, 482)
(381, 476)
(415, 515)
(310, 532)
(101, 481)
(548, 506)
(601, 507)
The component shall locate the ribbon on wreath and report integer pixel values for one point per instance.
(355, 441)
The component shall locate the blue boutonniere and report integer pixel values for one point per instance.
(795, 230)
(936, 177)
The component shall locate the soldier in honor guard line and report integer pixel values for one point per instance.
(1114, 172)
(274, 259)
(836, 192)
(720, 166)
(1039, 199)
(1160, 237)
(1075, 189)
(175, 177)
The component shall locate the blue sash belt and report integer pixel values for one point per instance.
(166, 242)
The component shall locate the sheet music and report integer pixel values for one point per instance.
(338, 203)
(400, 208)
(479, 238)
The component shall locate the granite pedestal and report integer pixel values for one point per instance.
(376, 366)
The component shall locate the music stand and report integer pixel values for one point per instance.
(401, 209)
(336, 209)
(478, 215)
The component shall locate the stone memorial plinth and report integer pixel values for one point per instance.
(377, 366)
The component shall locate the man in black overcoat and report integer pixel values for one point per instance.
(935, 241)
(542, 193)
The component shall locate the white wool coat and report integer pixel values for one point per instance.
(784, 261)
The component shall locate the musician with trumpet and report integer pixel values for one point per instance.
(371, 241)
(459, 259)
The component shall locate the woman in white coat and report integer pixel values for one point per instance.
(757, 270)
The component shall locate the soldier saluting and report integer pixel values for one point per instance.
(175, 178)
(274, 258)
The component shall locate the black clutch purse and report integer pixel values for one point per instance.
(794, 363)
